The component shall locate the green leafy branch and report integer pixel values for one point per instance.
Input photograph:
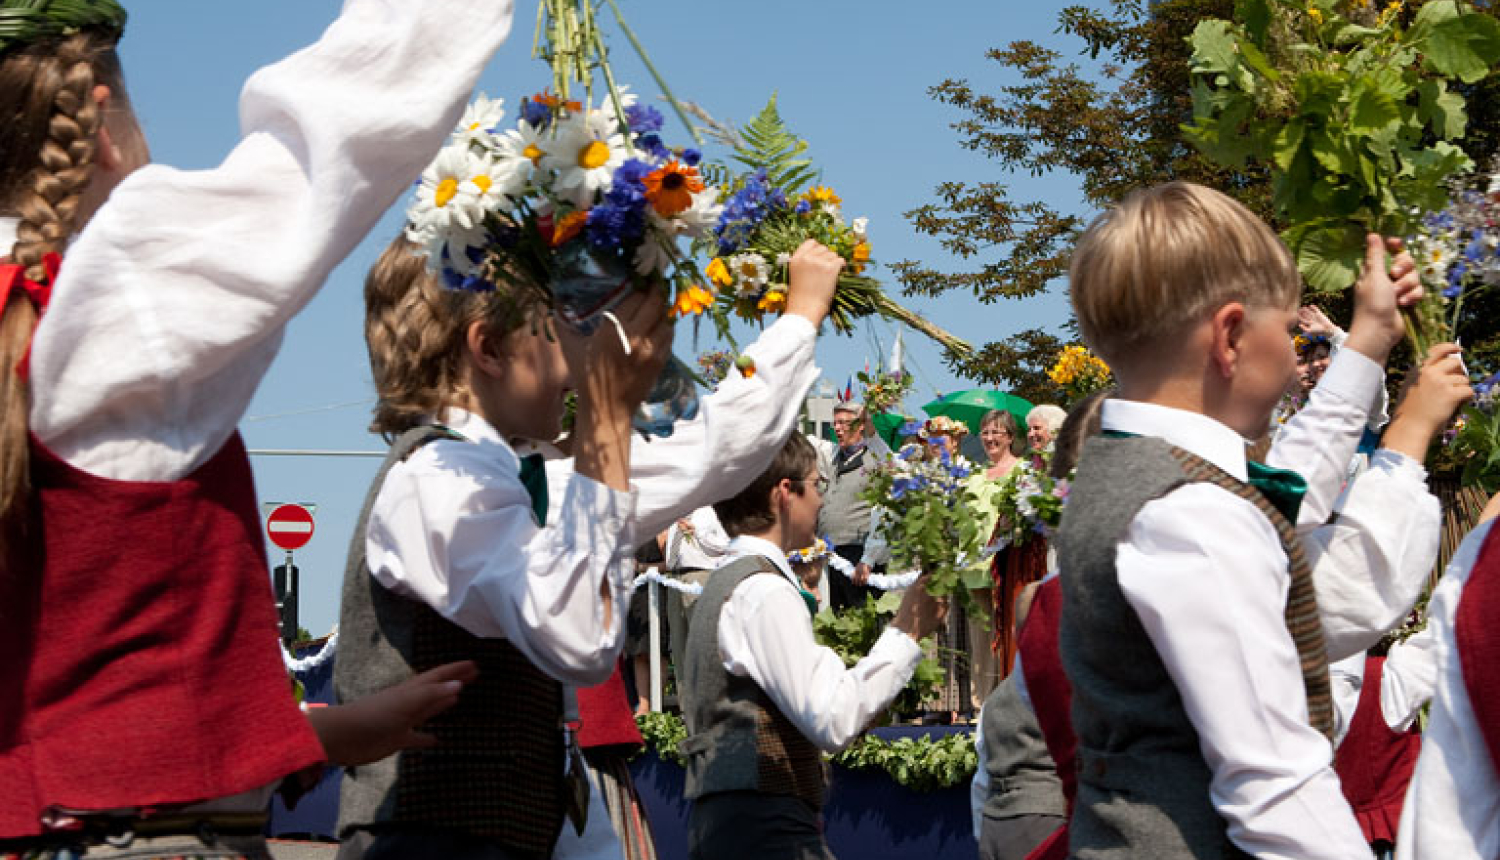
(1350, 111)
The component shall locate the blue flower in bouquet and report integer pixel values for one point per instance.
(745, 210)
(643, 119)
(691, 157)
(536, 113)
(621, 217)
(651, 144)
(803, 207)
(911, 428)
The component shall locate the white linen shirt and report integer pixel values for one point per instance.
(765, 635)
(453, 526)
(173, 300)
(1452, 809)
(1205, 573)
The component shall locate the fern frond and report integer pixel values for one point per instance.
(770, 146)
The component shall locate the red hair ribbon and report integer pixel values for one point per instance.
(13, 277)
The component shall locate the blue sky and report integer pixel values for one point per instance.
(851, 77)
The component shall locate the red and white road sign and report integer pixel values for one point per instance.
(290, 527)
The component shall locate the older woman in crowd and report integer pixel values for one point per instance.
(1003, 444)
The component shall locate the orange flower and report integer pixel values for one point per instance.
(545, 97)
(691, 300)
(671, 187)
(718, 273)
(774, 302)
(861, 256)
(746, 366)
(568, 226)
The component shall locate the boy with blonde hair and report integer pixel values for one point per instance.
(1191, 630)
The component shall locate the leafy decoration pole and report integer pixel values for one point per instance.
(1351, 112)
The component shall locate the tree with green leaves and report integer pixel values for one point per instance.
(1105, 120)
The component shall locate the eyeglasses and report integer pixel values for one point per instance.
(820, 482)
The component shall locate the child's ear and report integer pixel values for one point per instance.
(107, 154)
(484, 349)
(1227, 331)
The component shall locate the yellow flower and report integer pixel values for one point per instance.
(821, 194)
(691, 300)
(774, 302)
(1316, 15)
(861, 256)
(718, 273)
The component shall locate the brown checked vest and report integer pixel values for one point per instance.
(497, 771)
(738, 740)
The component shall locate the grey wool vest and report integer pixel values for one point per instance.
(738, 740)
(845, 515)
(1023, 777)
(1143, 786)
(497, 771)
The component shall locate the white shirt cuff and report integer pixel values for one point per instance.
(1353, 377)
(1398, 463)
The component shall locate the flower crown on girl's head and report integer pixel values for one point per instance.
(26, 22)
(1304, 343)
(942, 425)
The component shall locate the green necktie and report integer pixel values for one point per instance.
(1283, 488)
(534, 479)
(810, 600)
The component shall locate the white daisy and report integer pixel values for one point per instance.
(657, 250)
(699, 219)
(440, 205)
(584, 155)
(859, 227)
(524, 144)
(749, 271)
(480, 117)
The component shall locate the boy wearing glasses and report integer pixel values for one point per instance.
(761, 698)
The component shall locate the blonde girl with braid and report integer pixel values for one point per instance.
(145, 703)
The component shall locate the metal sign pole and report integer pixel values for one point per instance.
(655, 635)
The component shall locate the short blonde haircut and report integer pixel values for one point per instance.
(1165, 258)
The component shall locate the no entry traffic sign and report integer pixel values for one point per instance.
(290, 526)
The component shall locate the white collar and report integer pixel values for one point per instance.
(1192, 431)
(745, 545)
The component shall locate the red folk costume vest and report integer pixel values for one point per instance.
(1375, 764)
(1052, 699)
(145, 671)
(1476, 631)
(607, 720)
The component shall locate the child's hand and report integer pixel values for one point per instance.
(371, 728)
(1379, 294)
(919, 613)
(611, 383)
(1441, 387)
(814, 275)
(1312, 321)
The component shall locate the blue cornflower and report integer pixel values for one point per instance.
(536, 113)
(643, 119)
(744, 211)
(634, 172)
(691, 157)
(911, 428)
(803, 207)
(651, 144)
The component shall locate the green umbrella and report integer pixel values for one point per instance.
(888, 425)
(971, 406)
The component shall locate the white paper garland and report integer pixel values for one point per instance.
(297, 665)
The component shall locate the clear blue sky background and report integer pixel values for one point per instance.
(852, 79)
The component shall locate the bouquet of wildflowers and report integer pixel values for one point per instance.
(1079, 372)
(579, 203)
(884, 391)
(770, 209)
(1030, 502)
(927, 511)
(715, 365)
(1456, 253)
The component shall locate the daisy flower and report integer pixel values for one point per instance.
(656, 251)
(523, 145)
(750, 272)
(699, 219)
(584, 155)
(479, 120)
(447, 198)
(671, 187)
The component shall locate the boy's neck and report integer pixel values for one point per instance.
(773, 535)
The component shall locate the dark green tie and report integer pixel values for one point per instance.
(1283, 488)
(534, 479)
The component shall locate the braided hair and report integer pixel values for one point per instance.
(52, 55)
